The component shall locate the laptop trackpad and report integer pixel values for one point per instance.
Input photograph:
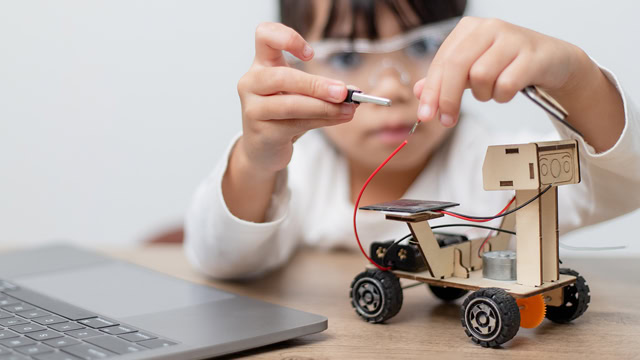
(120, 289)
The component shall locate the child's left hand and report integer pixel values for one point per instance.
(496, 60)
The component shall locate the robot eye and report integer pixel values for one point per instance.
(566, 164)
(544, 166)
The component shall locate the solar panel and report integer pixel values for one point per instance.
(409, 206)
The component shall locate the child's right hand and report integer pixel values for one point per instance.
(280, 103)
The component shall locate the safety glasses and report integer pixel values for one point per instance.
(362, 62)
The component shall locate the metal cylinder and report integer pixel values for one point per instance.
(499, 265)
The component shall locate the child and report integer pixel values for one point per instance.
(268, 195)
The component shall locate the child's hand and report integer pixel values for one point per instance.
(280, 103)
(496, 60)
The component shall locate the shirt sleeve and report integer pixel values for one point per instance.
(610, 179)
(221, 245)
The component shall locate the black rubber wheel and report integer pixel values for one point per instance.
(490, 317)
(447, 293)
(376, 295)
(575, 300)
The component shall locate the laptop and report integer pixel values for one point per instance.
(66, 303)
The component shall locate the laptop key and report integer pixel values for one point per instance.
(83, 333)
(12, 321)
(97, 323)
(26, 328)
(137, 336)
(62, 342)
(34, 349)
(50, 320)
(88, 352)
(58, 355)
(114, 344)
(118, 330)
(8, 301)
(18, 307)
(65, 326)
(15, 342)
(44, 335)
(30, 314)
(4, 314)
(156, 343)
(7, 334)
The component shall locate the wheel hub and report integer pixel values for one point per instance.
(483, 319)
(368, 296)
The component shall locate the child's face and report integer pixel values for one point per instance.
(376, 130)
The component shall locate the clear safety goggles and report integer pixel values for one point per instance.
(363, 62)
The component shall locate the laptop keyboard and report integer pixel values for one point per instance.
(35, 326)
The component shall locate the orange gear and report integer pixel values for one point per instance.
(532, 311)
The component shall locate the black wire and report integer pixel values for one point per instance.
(566, 123)
(384, 258)
(507, 212)
(475, 226)
(554, 116)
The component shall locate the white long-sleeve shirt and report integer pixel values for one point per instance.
(311, 203)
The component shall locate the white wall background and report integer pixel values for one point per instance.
(111, 112)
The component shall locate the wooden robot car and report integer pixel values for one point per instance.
(509, 289)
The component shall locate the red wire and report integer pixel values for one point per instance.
(366, 183)
(355, 210)
(484, 243)
(489, 235)
(477, 220)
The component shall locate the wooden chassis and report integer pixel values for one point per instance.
(475, 281)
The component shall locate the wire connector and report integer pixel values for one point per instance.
(357, 97)
(415, 126)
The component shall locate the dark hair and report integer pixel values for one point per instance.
(299, 14)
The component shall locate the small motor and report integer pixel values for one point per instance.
(499, 265)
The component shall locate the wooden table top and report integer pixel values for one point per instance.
(318, 282)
